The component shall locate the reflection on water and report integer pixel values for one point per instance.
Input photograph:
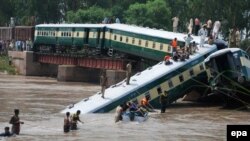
(40, 101)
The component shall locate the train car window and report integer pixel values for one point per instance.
(161, 46)
(126, 39)
(191, 72)
(159, 90)
(54, 34)
(146, 44)
(114, 37)
(181, 78)
(170, 84)
(61, 34)
(139, 43)
(77, 34)
(69, 34)
(169, 48)
(147, 95)
(201, 67)
(120, 38)
(133, 40)
(153, 44)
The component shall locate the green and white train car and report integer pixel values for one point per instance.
(176, 79)
(144, 42)
(69, 35)
(229, 74)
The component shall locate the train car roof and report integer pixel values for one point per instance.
(152, 32)
(116, 92)
(72, 25)
(221, 52)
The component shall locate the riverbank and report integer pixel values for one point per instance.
(5, 67)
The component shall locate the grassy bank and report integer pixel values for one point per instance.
(5, 67)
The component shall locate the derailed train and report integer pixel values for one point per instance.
(229, 75)
(105, 39)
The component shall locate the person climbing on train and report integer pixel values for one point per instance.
(67, 124)
(103, 82)
(6, 132)
(128, 72)
(74, 119)
(167, 60)
(163, 101)
(145, 104)
(132, 109)
(174, 44)
(15, 121)
(118, 113)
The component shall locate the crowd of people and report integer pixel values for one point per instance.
(208, 29)
(15, 46)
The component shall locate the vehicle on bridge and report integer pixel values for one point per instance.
(105, 39)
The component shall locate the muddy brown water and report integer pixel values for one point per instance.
(41, 99)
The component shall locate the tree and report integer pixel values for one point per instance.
(153, 14)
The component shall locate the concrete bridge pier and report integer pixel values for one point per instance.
(81, 74)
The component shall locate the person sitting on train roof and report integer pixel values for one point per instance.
(6, 132)
(167, 60)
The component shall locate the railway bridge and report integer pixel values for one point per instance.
(68, 67)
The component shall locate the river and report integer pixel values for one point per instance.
(40, 100)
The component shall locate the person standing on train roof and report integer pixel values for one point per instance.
(203, 34)
(74, 119)
(217, 25)
(196, 26)
(209, 27)
(15, 121)
(175, 23)
(174, 44)
(188, 40)
(128, 72)
(103, 82)
(67, 124)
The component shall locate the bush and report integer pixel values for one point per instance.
(5, 67)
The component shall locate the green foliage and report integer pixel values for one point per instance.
(153, 14)
(5, 67)
(93, 14)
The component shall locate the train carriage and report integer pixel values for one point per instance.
(6, 33)
(70, 36)
(177, 79)
(24, 33)
(229, 75)
(144, 42)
